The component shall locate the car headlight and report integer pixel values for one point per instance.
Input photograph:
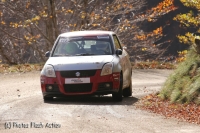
(107, 69)
(49, 71)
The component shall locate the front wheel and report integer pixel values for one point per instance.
(127, 92)
(117, 96)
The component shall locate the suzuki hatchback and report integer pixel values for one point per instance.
(87, 63)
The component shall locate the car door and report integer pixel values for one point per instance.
(123, 61)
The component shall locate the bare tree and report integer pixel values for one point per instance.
(30, 27)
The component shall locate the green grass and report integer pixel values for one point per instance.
(183, 86)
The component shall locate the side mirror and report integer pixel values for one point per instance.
(47, 54)
(118, 52)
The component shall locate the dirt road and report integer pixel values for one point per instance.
(22, 109)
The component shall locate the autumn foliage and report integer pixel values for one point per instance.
(179, 97)
(183, 86)
(183, 112)
(161, 9)
(29, 28)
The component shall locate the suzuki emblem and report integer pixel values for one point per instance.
(78, 74)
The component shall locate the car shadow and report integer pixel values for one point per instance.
(92, 100)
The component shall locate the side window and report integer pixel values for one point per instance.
(117, 43)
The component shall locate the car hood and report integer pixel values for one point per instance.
(79, 62)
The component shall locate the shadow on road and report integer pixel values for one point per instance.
(92, 100)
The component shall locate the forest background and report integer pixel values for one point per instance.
(148, 28)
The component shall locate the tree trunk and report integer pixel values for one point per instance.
(51, 23)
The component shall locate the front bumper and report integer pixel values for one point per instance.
(56, 87)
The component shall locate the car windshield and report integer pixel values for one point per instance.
(83, 46)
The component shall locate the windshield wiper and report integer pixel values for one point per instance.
(84, 54)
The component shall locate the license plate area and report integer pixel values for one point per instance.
(77, 80)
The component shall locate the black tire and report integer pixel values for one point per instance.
(46, 99)
(127, 92)
(117, 96)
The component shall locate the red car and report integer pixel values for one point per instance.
(87, 63)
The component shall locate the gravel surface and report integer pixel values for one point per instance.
(22, 109)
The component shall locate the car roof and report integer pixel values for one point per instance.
(86, 33)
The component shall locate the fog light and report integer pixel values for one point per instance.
(50, 87)
(107, 85)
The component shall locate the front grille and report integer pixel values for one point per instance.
(72, 74)
(78, 87)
